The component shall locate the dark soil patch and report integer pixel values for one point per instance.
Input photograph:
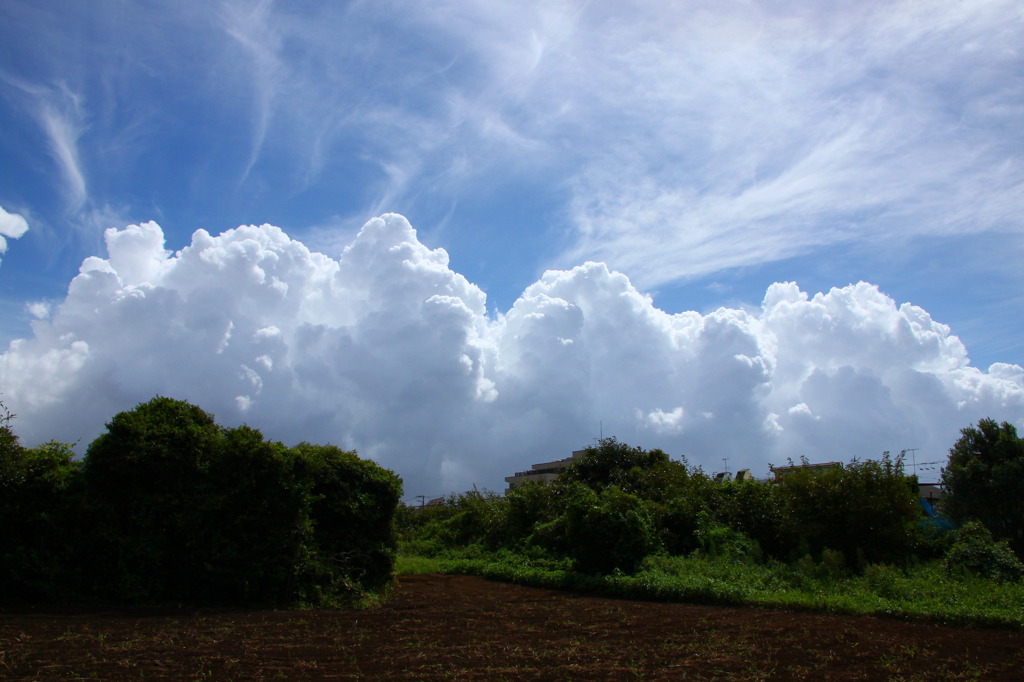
(456, 627)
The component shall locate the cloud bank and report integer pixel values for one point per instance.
(388, 350)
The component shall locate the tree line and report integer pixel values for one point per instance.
(167, 507)
(618, 504)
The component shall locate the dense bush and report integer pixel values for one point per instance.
(984, 480)
(866, 510)
(976, 552)
(758, 510)
(146, 483)
(169, 507)
(612, 463)
(253, 526)
(719, 541)
(617, 504)
(40, 519)
(607, 530)
(349, 504)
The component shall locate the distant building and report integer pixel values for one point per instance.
(544, 472)
(819, 468)
(433, 503)
(741, 475)
(930, 491)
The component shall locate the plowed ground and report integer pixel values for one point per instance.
(463, 628)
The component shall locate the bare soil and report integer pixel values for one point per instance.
(463, 628)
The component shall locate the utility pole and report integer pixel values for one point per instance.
(423, 500)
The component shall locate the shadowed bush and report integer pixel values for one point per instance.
(169, 507)
(976, 552)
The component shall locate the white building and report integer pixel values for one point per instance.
(544, 472)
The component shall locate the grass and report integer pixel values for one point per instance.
(924, 592)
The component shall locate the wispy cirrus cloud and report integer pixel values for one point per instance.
(749, 137)
(684, 141)
(675, 141)
(60, 115)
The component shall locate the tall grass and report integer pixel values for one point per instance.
(922, 592)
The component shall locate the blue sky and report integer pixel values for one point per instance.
(703, 150)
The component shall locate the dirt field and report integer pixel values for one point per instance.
(462, 628)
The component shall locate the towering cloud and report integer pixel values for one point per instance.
(389, 351)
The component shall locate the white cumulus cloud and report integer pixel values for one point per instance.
(388, 350)
(12, 226)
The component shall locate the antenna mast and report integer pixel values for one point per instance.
(913, 458)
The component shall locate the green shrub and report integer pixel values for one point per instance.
(350, 503)
(884, 580)
(529, 505)
(984, 480)
(718, 541)
(145, 479)
(471, 518)
(185, 511)
(250, 523)
(607, 531)
(807, 572)
(757, 510)
(612, 463)
(976, 552)
(866, 510)
(40, 522)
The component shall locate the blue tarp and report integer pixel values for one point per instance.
(934, 518)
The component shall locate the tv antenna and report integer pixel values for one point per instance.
(913, 458)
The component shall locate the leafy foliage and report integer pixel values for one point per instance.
(606, 531)
(866, 510)
(169, 507)
(719, 541)
(612, 463)
(975, 551)
(253, 518)
(145, 481)
(984, 480)
(349, 504)
(39, 520)
(617, 504)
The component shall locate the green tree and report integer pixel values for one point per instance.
(612, 463)
(186, 511)
(351, 505)
(253, 517)
(757, 510)
(984, 480)
(866, 510)
(145, 479)
(39, 492)
(528, 506)
(975, 551)
(607, 530)
(10, 448)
